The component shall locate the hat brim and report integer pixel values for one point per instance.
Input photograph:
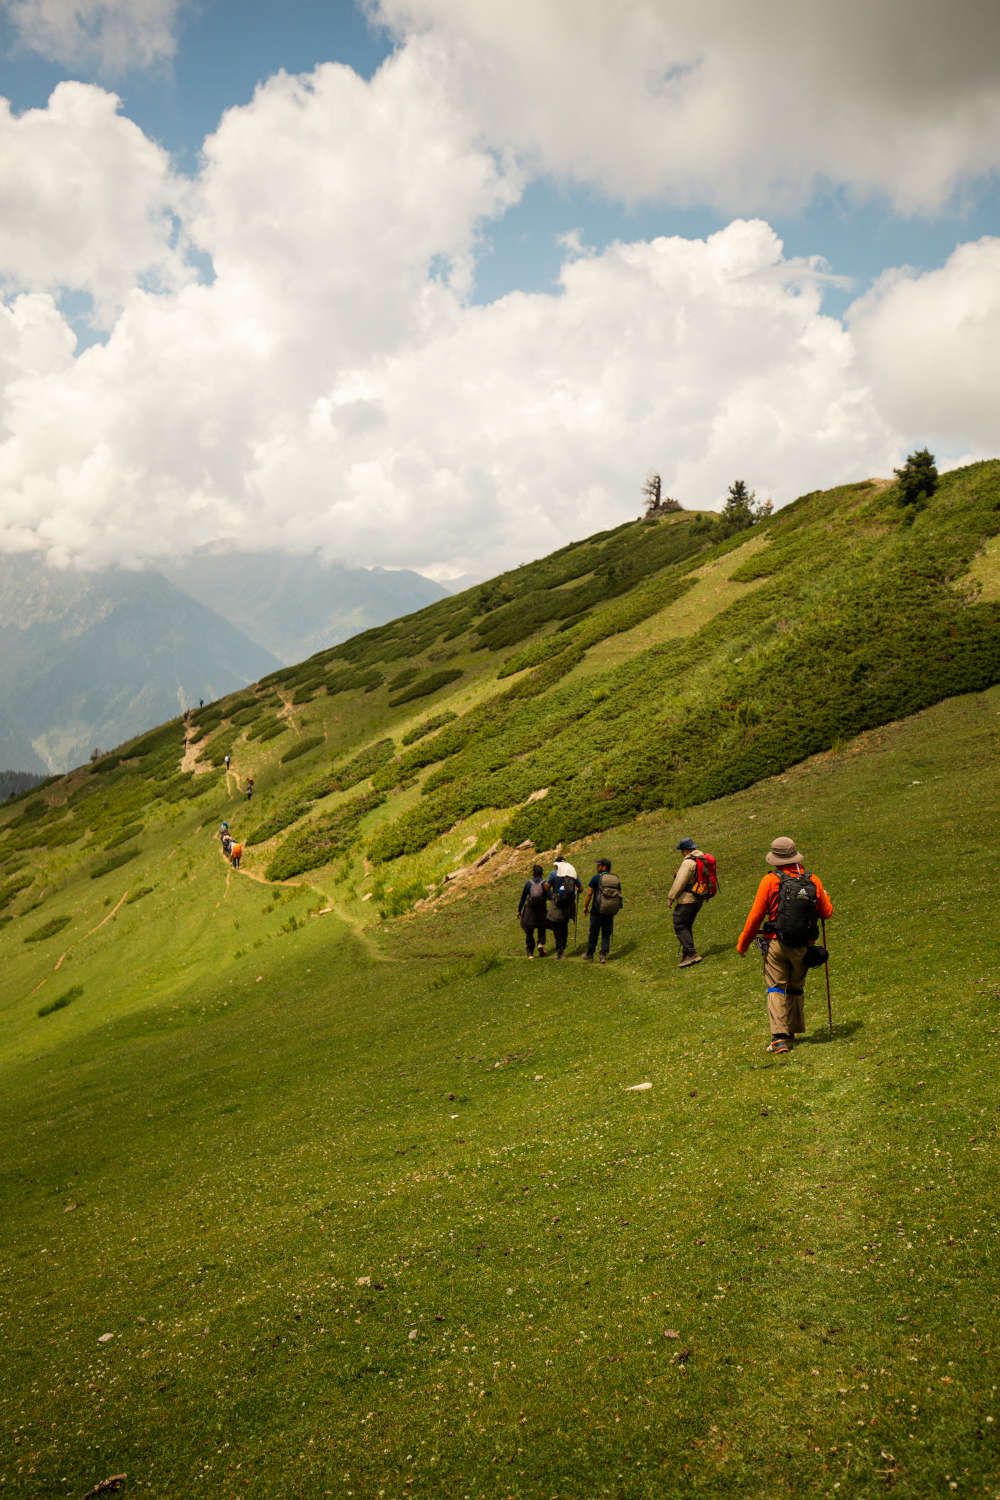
(795, 858)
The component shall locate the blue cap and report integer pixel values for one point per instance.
(687, 844)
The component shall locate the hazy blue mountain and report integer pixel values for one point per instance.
(89, 659)
(295, 606)
(14, 782)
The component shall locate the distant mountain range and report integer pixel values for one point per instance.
(89, 659)
(296, 606)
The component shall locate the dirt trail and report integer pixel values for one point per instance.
(67, 951)
(362, 934)
(286, 713)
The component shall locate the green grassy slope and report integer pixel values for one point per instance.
(227, 1099)
(396, 1224)
(651, 667)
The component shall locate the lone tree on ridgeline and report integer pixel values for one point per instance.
(657, 504)
(917, 479)
(742, 508)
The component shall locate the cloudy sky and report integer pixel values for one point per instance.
(437, 283)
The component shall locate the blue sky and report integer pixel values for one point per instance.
(526, 253)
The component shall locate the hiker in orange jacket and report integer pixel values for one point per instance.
(785, 956)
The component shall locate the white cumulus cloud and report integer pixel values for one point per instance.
(723, 102)
(930, 344)
(112, 36)
(88, 200)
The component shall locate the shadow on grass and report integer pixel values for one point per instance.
(824, 1034)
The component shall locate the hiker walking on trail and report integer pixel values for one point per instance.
(694, 884)
(603, 901)
(531, 912)
(784, 919)
(249, 787)
(223, 832)
(564, 887)
(226, 760)
(236, 856)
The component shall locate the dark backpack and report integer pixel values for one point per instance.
(796, 921)
(609, 894)
(563, 888)
(705, 883)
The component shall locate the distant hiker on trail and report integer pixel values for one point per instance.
(564, 887)
(531, 912)
(604, 895)
(226, 760)
(236, 856)
(694, 884)
(785, 913)
(249, 787)
(223, 831)
(227, 845)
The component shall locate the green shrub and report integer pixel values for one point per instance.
(278, 820)
(273, 732)
(402, 679)
(144, 890)
(359, 768)
(48, 929)
(302, 747)
(114, 863)
(319, 842)
(13, 888)
(427, 726)
(246, 715)
(265, 723)
(132, 831)
(426, 685)
(66, 998)
(215, 750)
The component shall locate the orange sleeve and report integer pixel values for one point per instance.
(757, 913)
(823, 903)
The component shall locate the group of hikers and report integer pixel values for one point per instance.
(548, 903)
(784, 921)
(232, 851)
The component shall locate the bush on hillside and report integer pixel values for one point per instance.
(132, 831)
(325, 839)
(13, 888)
(114, 863)
(66, 998)
(424, 686)
(48, 929)
(427, 726)
(359, 768)
(302, 747)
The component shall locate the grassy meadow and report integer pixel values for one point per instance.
(296, 1204)
(312, 1186)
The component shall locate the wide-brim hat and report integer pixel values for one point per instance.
(687, 844)
(783, 852)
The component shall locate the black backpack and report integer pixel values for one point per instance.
(796, 921)
(563, 888)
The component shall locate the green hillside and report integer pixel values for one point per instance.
(366, 1204)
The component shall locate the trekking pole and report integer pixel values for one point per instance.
(826, 966)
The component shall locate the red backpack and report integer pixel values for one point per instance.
(705, 882)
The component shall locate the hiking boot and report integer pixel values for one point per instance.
(688, 960)
(779, 1044)
(604, 958)
(588, 958)
(541, 953)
